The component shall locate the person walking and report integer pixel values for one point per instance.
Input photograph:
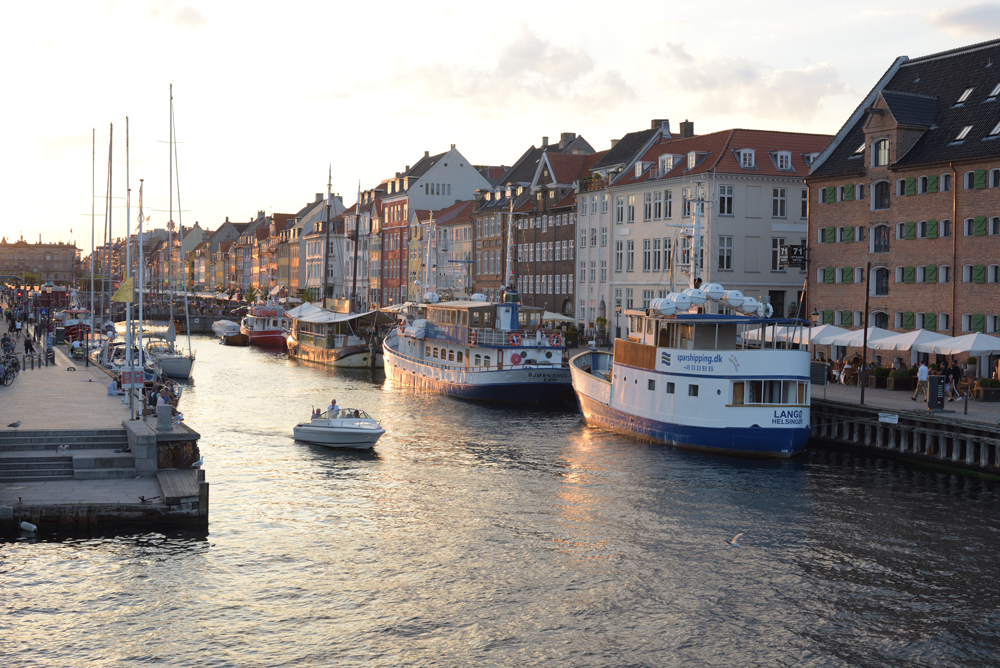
(29, 349)
(921, 382)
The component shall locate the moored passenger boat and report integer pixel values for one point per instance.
(264, 325)
(343, 340)
(695, 381)
(478, 350)
(229, 333)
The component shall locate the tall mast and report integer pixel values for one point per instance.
(509, 277)
(93, 229)
(180, 225)
(357, 230)
(326, 242)
(105, 280)
(128, 275)
(170, 214)
(141, 281)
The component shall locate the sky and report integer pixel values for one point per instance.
(267, 97)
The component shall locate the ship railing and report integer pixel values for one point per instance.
(498, 337)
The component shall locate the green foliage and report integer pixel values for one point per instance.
(899, 374)
(881, 372)
(933, 367)
(913, 371)
(250, 296)
(988, 383)
(601, 322)
(309, 295)
(971, 360)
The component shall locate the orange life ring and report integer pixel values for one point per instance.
(555, 341)
(472, 336)
(514, 339)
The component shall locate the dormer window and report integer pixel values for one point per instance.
(783, 160)
(880, 153)
(860, 150)
(692, 159)
(995, 91)
(489, 196)
(666, 163)
(746, 158)
(995, 131)
(638, 169)
(964, 132)
(965, 95)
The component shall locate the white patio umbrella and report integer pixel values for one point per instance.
(974, 345)
(821, 335)
(854, 339)
(908, 340)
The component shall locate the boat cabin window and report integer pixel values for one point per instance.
(435, 353)
(692, 390)
(427, 352)
(459, 355)
(479, 360)
(475, 319)
(451, 355)
(769, 392)
(463, 319)
(670, 388)
(650, 325)
(486, 360)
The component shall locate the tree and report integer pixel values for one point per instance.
(309, 295)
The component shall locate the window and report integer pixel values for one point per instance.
(668, 204)
(647, 260)
(944, 228)
(804, 213)
(668, 256)
(859, 233)
(880, 153)
(994, 178)
(651, 384)
(945, 182)
(604, 237)
(630, 255)
(619, 255)
(726, 253)
(657, 205)
(993, 274)
(784, 160)
(604, 271)
(963, 133)
(859, 274)
(670, 388)
(604, 203)
(970, 180)
(880, 239)
(880, 195)
(725, 200)
(900, 230)
(965, 95)
(900, 187)
(583, 272)
(647, 206)
(583, 237)
(656, 254)
(777, 202)
(593, 237)
(942, 322)
(859, 191)
(631, 209)
(776, 244)
(692, 390)
(619, 209)
(880, 286)
(593, 204)
(921, 274)
(746, 158)
(628, 297)
(944, 274)
(686, 198)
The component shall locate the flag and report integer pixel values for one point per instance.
(124, 293)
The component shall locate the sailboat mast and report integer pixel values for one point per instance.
(357, 231)
(105, 282)
(180, 222)
(170, 214)
(509, 277)
(128, 276)
(93, 230)
(142, 284)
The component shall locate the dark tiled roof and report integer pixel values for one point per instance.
(944, 77)
(910, 109)
(423, 165)
(625, 150)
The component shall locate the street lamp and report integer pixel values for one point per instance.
(48, 312)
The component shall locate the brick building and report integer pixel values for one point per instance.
(911, 184)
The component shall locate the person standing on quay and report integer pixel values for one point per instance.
(921, 382)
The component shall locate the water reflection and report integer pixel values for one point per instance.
(476, 535)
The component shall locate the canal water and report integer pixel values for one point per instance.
(486, 536)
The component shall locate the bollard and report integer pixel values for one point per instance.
(966, 402)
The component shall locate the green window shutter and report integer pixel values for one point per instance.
(846, 318)
(978, 322)
(910, 231)
(827, 317)
(831, 194)
(909, 274)
(932, 184)
(828, 275)
(911, 185)
(849, 192)
(848, 235)
(979, 273)
(980, 179)
(930, 273)
(831, 234)
(932, 229)
(980, 226)
(908, 320)
(930, 321)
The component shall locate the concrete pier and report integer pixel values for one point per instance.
(77, 461)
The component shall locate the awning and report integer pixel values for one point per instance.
(855, 338)
(907, 340)
(972, 345)
(275, 290)
(823, 334)
(556, 317)
(314, 314)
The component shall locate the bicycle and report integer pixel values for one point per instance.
(11, 361)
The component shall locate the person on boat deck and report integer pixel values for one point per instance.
(316, 414)
(333, 406)
(357, 414)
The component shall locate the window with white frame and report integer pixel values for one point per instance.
(880, 195)
(899, 274)
(747, 158)
(620, 209)
(686, 195)
(944, 274)
(900, 187)
(604, 203)
(777, 202)
(583, 237)
(918, 320)
(859, 319)
(776, 244)
(583, 271)
(880, 153)
(630, 210)
(619, 255)
(725, 200)
(900, 230)
(993, 273)
(668, 204)
(942, 321)
(656, 255)
(966, 322)
(630, 255)
(859, 274)
(898, 321)
(668, 254)
(604, 237)
(804, 208)
(647, 255)
(593, 204)
(967, 273)
(647, 206)
(970, 227)
(604, 271)
(593, 271)
(784, 160)
(657, 205)
(921, 274)
(725, 253)
(991, 324)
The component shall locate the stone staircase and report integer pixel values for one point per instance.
(31, 456)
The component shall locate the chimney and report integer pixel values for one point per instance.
(427, 154)
(407, 168)
(661, 124)
(566, 138)
(227, 219)
(687, 129)
(319, 197)
(545, 142)
(614, 142)
(453, 147)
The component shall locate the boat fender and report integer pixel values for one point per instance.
(472, 336)
(28, 526)
(514, 339)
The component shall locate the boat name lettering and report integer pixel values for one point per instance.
(735, 362)
(544, 377)
(787, 417)
(263, 313)
(700, 359)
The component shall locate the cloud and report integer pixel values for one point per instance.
(727, 85)
(530, 69)
(982, 18)
(181, 16)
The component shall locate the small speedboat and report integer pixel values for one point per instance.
(342, 428)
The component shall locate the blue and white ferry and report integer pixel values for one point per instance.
(478, 350)
(702, 381)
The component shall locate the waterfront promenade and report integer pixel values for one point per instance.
(891, 401)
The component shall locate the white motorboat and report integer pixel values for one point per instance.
(343, 428)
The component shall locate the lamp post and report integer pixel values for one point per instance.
(864, 337)
(48, 312)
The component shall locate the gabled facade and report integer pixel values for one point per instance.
(911, 184)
